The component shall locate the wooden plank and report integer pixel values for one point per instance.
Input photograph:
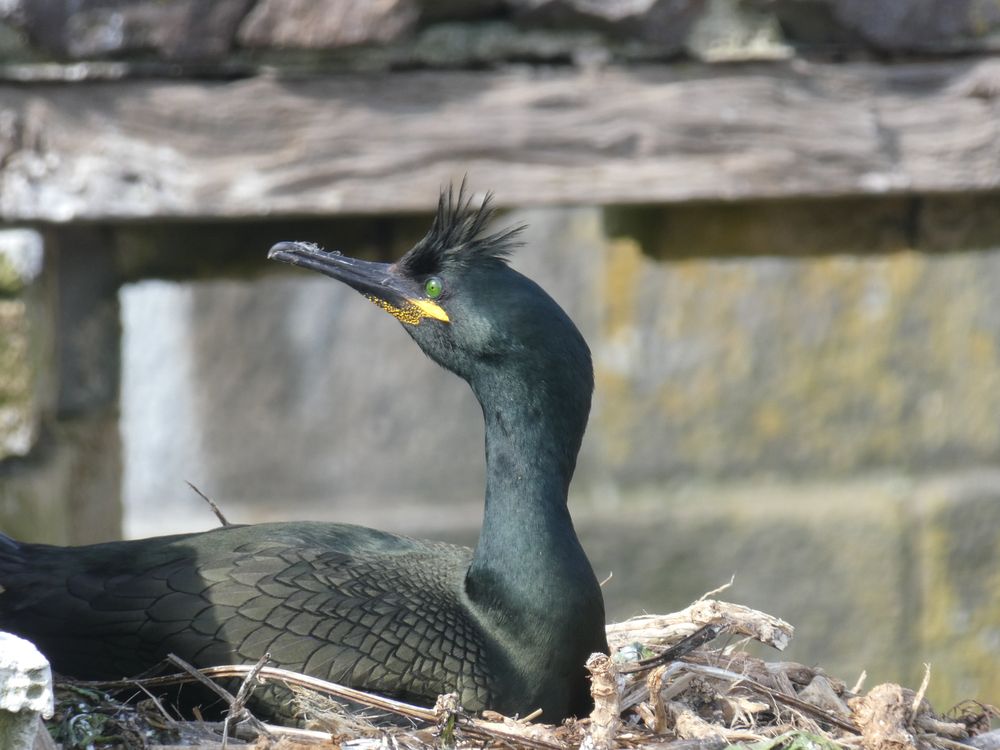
(366, 143)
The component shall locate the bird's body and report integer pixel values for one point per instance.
(353, 605)
(507, 626)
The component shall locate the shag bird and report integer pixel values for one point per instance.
(507, 626)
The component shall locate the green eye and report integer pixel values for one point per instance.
(433, 287)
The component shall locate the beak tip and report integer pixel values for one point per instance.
(279, 249)
(286, 251)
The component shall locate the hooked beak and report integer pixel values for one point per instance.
(379, 282)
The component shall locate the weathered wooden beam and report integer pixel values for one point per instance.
(385, 142)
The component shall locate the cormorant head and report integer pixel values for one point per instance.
(472, 313)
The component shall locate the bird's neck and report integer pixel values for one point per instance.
(528, 557)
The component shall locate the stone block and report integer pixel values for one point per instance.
(327, 24)
(832, 364)
(24, 355)
(957, 541)
(174, 29)
(890, 26)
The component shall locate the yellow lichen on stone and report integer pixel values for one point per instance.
(17, 406)
(615, 357)
(959, 626)
(832, 362)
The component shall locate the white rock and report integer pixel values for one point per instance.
(25, 694)
(25, 677)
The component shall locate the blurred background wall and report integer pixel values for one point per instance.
(776, 222)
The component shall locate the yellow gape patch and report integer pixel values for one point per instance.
(430, 309)
(415, 310)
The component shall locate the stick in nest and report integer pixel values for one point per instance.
(605, 718)
(237, 709)
(664, 630)
(211, 504)
(686, 645)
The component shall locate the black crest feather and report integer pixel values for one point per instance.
(455, 239)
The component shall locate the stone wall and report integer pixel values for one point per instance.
(443, 33)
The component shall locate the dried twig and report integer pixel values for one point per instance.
(237, 710)
(211, 504)
(718, 590)
(665, 630)
(605, 718)
(686, 645)
(529, 717)
(919, 697)
(190, 672)
(159, 706)
(201, 677)
(860, 683)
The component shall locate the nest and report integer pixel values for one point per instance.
(666, 686)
